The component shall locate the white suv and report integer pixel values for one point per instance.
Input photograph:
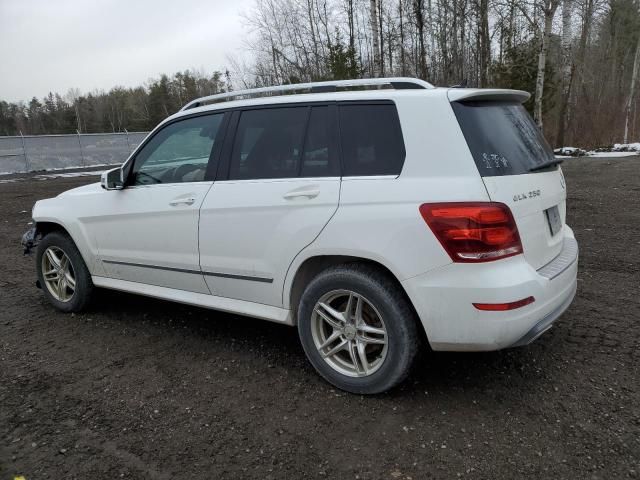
(368, 213)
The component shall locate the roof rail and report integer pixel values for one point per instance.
(398, 83)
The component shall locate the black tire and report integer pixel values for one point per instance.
(83, 284)
(382, 292)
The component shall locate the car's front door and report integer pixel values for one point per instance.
(279, 186)
(148, 232)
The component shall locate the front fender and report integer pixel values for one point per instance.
(55, 213)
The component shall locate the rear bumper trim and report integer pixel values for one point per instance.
(564, 260)
(546, 323)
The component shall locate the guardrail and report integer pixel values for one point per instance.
(27, 153)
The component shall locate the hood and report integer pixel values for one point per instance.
(91, 188)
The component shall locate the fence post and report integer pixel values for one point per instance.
(128, 144)
(27, 166)
(80, 145)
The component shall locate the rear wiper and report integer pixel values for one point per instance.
(548, 164)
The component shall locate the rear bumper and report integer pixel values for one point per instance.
(546, 323)
(444, 300)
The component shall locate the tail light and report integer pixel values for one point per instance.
(502, 307)
(473, 231)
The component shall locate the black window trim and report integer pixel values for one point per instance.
(220, 156)
(334, 135)
(304, 141)
(232, 131)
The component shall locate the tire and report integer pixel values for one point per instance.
(72, 299)
(379, 294)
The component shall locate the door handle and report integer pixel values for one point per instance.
(308, 192)
(182, 201)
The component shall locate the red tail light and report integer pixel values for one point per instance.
(473, 231)
(501, 307)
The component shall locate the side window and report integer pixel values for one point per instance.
(268, 143)
(318, 159)
(371, 139)
(178, 153)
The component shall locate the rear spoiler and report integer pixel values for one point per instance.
(487, 95)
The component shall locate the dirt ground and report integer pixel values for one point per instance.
(141, 388)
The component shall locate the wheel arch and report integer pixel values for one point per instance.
(311, 266)
(46, 226)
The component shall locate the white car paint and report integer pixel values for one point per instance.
(254, 228)
(539, 246)
(238, 245)
(447, 294)
(130, 230)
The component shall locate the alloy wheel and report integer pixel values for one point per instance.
(349, 333)
(57, 272)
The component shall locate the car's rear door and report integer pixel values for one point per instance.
(148, 232)
(518, 169)
(275, 192)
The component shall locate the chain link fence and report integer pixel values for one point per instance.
(45, 152)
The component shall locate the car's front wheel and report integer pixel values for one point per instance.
(357, 328)
(63, 275)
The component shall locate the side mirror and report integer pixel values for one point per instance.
(112, 179)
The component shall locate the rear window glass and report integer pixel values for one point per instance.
(268, 143)
(371, 140)
(502, 137)
(319, 158)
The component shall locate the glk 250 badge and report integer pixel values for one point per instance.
(523, 196)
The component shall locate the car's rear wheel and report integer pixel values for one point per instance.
(63, 275)
(357, 328)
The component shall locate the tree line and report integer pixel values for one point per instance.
(580, 59)
(131, 109)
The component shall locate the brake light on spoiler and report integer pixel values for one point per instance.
(473, 232)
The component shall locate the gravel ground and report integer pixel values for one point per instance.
(141, 388)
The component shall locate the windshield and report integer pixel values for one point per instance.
(502, 137)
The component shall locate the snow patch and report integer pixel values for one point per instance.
(49, 176)
(612, 154)
(626, 147)
(617, 150)
(69, 175)
(569, 152)
(57, 169)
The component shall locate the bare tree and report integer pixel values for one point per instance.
(549, 9)
(72, 97)
(568, 67)
(418, 12)
(375, 36)
(484, 42)
(632, 91)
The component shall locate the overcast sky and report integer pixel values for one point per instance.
(54, 45)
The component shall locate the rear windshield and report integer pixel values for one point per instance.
(502, 137)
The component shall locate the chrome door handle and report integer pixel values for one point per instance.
(182, 201)
(307, 192)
